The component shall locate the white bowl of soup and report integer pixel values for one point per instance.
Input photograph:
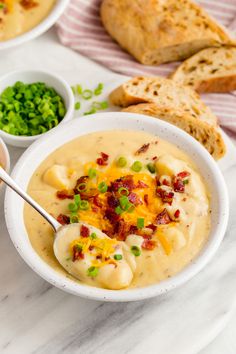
(23, 20)
(156, 196)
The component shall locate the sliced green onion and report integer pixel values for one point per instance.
(77, 106)
(136, 166)
(77, 199)
(140, 223)
(79, 89)
(119, 210)
(124, 201)
(81, 187)
(185, 181)
(102, 187)
(123, 191)
(73, 207)
(98, 90)
(92, 111)
(92, 271)
(118, 257)
(87, 94)
(135, 250)
(121, 162)
(93, 236)
(151, 167)
(74, 219)
(84, 205)
(73, 89)
(92, 173)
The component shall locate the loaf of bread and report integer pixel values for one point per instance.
(165, 93)
(210, 70)
(205, 131)
(160, 31)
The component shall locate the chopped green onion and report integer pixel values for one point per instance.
(121, 162)
(79, 89)
(118, 257)
(151, 167)
(124, 201)
(74, 219)
(135, 250)
(102, 187)
(98, 90)
(92, 173)
(77, 199)
(140, 223)
(123, 191)
(77, 106)
(100, 105)
(119, 210)
(73, 90)
(73, 207)
(81, 187)
(92, 271)
(92, 111)
(136, 166)
(87, 94)
(93, 236)
(185, 181)
(84, 205)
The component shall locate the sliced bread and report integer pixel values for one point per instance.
(165, 93)
(160, 31)
(205, 131)
(210, 70)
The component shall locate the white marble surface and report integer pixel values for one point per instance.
(38, 318)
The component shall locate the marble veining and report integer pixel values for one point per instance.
(37, 318)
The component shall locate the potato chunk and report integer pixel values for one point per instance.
(57, 177)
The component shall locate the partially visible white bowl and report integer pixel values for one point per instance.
(31, 76)
(37, 153)
(42, 27)
(4, 159)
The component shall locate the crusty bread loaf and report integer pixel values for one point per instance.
(210, 70)
(165, 93)
(206, 132)
(160, 31)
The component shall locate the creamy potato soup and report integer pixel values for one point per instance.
(145, 197)
(20, 16)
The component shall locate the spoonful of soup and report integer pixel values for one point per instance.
(85, 251)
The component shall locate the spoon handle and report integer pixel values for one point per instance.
(9, 181)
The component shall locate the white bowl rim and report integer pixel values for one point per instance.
(67, 117)
(39, 29)
(60, 281)
(7, 155)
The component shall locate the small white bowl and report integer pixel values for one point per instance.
(55, 81)
(4, 160)
(42, 27)
(37, 153)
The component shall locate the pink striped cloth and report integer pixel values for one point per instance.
(81, 29)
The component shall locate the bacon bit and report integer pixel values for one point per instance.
(183, 174)
(154, 158)
(63, 219)
(112, 201)
(119, 230)
(111, 215)
(95, 209)
(148, 245)
(91, 248)
(165, 182)
(28, 4)
(96, 201)
(184, 199)
(133, 229)
(152, 227)
(65, 194)
(166, 197)
(77, 254)
(145, 198)
(125, 182)
(177, 214)
(141, 184)
(102, 161)
(134, 199)
(178, 185)
(163, 218)
(142, 149)
(84, 231)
